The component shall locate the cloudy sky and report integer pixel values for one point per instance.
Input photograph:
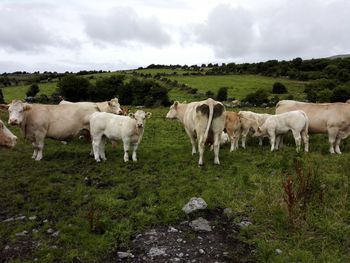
(73, 35)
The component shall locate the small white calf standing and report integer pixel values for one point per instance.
(276, 125)
(129, 129)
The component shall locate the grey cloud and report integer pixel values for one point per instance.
(123, 26)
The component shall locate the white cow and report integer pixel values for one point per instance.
(201, 120)
(7, 138)
(111, 106)
(279, 124)
(331, 118)
(129, 129)
(251, 121)
(40, 121)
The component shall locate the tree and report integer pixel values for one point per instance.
(209, 94)
(74, 88)
(279, 88)
(222, 94)
(258, 97)
(32, 90)
(2, 101)
(341, 93)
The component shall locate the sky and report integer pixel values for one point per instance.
(74, 35)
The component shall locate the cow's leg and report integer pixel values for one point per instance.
(193, 140)
(201, 145)
(272, 141)
(217, 147)
(96, 141)
(305, 136)
(233, 143)
(244, 137)
(102, 147)
(332, 135)
(134, 157)
(126, 144)
(35, 152)
(260, 141)
(277, 143)
(40, 146)
(297, 139)
(337, 144)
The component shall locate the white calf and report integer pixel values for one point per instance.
(276, 125)
(129, 129)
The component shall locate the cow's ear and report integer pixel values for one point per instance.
(176, 103)
(4, 107)
(26, 107)
(131, 115)
(148, 115)
(259, 129)
(184, 102)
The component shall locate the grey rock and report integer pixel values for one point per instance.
(10, 219)
(50, 231)
(20, 218)
(179, 240)
(201, 251)
(175, 260)
(172, 229)
(180, 255)
(34, 230)
(200, 224)
(125, 255)
(278, 251)
(152, 232)
(22, 234)
(244, 224)
(156, 252)
(194, 204)
(56, 234)
(45, 221)
(228, 212)
(32, 218)
(7, 247)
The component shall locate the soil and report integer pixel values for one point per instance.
(180, 243)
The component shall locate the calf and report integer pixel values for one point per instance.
(7, 138)
(251, 121)
(111, 106)
(233, 128)
(276, 125)
(129, 129)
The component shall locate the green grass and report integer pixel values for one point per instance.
(128, 198)
(19, 92)
(155, 71)
(241, 85)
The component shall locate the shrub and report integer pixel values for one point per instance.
(279, 88)
(222, 94)
(258, 97)
(32, 90)
(341, 93)
(74, 88)
(209, 94)
(106, 88)
(2, 101)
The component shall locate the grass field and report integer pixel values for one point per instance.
(125, 199)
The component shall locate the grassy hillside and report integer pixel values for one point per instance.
(67, 188)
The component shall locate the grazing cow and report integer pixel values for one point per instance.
(201, 120)
(7, 138)
(331, 118)
(59, 122)
(129, 129)
(111, 106)
(233, 128)
(276, 125)
(251, 121)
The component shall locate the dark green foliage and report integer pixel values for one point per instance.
(279, 88)
(258, 97)
(341, 93)
(209, 94)
(32, 90)
(74, 88)
(106, 88)
(2, 101)
(314, 88)
(222, 94)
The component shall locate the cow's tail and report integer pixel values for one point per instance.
(307, 121)
(210, 118)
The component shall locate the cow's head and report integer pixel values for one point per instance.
(172, 114)
(140, 116)
(260, 131)
(114, 106)
(16, 111)
(7, 138)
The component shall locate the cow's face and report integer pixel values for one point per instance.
(16, 111)
(260, 131)
(115, 106)
(172, 114)
(7, 138)
(140, 116)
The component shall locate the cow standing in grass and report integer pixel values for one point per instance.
(201, 120)
(129, 129)
(7, 138)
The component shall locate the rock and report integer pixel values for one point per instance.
(34, 230)
(50, 231)
(7, 247)
(175, 260)
(194, 204)
(180, 255)
(45, 221)
(244, 224)
(55, 234)
(278, 251)
(172, 229)
(179, 240)
(156, 252)
(20, 218)
(32, 218)
(152, 232)
(10, 219)
(201, 251)
(125, 255)
(200, 224)
(22, 234)
(228, 212)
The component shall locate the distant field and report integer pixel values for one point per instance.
(240, 85)
(19, 92)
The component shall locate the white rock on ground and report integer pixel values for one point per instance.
(156, 252)
(125, 255)
(200, 224)
(194, 204)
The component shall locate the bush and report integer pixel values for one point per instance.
(209, 94)
(2, 101)
(341, 94)
(222, 94)
(279, 88)
(314, 88)
(106, 88)
(258, 97)
(32, 90)
(74, 88)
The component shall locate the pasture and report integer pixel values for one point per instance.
(98, 208)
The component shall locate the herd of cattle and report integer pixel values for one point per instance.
(205, 122)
